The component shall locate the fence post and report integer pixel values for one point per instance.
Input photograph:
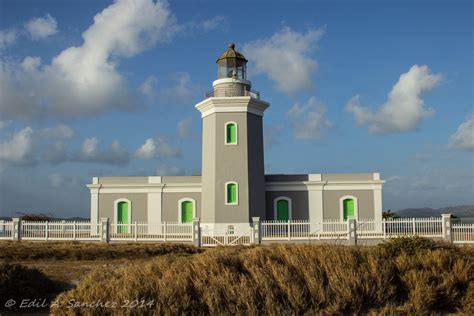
(447, 227)
(136, 231)
(384, 227)
(2, 226)
(256, 231)
(16, 235)
(164, 231)
(105, 229)
(196, 232)
(74, 230)
(351, 231)
(46, 230)
(289, 230)
(414, 226)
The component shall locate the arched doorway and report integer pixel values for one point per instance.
(349, 208)
(282, 210)
(187, 212)
(123, 216)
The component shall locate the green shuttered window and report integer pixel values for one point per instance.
(232, 193)
(231, 133)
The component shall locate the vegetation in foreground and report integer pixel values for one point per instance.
(281, 279)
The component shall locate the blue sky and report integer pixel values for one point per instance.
(359, 86)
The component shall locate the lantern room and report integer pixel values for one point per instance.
(232, 64)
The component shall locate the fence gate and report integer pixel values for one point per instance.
(216, 237)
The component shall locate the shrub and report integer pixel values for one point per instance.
(411, 245)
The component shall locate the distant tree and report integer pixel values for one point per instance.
(36, 217)
(389, 214)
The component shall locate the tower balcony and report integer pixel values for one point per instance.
(233, 93)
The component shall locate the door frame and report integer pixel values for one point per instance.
(275, 207)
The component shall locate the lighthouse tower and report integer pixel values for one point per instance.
(233, 180)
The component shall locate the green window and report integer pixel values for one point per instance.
(283, 210)
(122, 217)
(349, 208)
(232, 193)
(186, 212)
(231, 133)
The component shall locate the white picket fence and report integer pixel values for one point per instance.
(365, 229)
(269, 231)
(141, 231)
(6, 229)
(88, 231)
(463, 233)
(60, 230)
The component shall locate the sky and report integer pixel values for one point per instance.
(108, 88)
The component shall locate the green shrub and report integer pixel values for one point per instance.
(411, 245)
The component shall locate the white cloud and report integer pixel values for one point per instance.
(90, 153)
(31, 63)
(213, 23)
(165, 149)
(204, 25)
(159, 147)
(148, 86)
(39, 28)
(18, 150)
(286, 58)
(61, 131)
(166, 170)
(404, 108)
(184, 127)
(182, 91)
(147, 150)
(308, 120)
(84, 80)
(463, 138)
(7, 38)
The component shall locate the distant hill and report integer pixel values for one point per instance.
(459, 211)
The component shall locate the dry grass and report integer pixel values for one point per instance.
(18, 282)
(21, 251)
(285, 279)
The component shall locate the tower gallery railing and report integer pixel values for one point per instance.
(226, 93)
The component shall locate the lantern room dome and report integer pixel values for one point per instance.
(231, 53)
(231, 64)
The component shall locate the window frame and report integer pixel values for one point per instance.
(275, 207)
(227, 191)
(341, 206)
(116, 203)
(236, 133)
(180, 202)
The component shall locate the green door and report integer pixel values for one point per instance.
(283, 213)
(349, 208)
(187, 212)
(122, 217)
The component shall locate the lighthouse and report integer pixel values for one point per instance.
(233, 178)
